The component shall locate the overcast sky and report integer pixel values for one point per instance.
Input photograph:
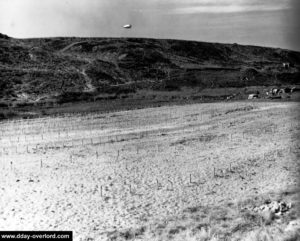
(257, 22)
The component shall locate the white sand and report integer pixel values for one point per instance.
(103, 172)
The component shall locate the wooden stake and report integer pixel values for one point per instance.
(171, 185)
(157, 184)
(118, 155)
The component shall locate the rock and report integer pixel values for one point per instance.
(267, 202)
(278, 214)
(267, 216)
(275, 207)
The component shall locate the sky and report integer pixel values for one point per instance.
(256, 22)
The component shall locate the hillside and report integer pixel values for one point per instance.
(59, 70)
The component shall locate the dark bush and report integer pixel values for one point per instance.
(23, 104)
(8, 114)
(4, 105)
(2, 116)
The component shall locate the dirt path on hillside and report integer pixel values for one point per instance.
(88, 82)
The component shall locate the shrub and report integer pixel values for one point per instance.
(4, 105)
(9, 114)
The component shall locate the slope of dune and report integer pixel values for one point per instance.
(69, 69)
